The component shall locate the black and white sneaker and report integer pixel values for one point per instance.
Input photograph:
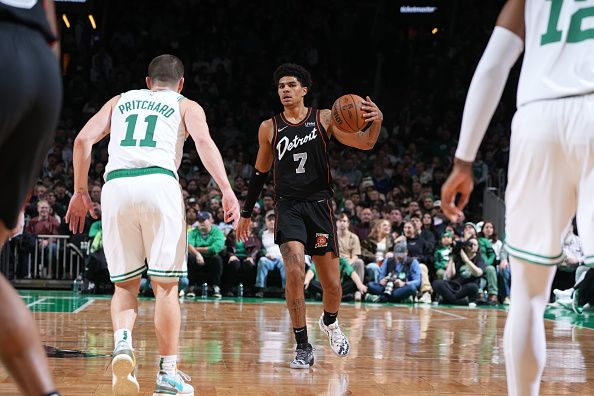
(304, 357)
(338, 341)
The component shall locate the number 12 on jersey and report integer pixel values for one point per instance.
(148, 141)
(575, 32)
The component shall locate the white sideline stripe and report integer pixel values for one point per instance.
(36, 302)
(450, 314)
(85, 305)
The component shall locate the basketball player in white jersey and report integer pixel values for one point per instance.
(551, 167)
(143, 211)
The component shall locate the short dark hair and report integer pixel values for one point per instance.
(293, 70)
(166, 68)
(343, 216)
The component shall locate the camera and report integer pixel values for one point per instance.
(459, 245)
(389, 288)
(389, 284)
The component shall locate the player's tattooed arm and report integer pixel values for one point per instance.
(364, 139)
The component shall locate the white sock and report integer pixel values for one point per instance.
(524, 335)
(168, 363)
(122, 335)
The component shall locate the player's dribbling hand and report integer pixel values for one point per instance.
(460, 182)
(79, 205)
(371, 112)
(243, 229)
(231, 208)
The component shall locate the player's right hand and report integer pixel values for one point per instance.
(79, 205)
(231, 208)
(460, 182)
(243, 229)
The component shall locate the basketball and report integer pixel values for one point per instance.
(347, 114)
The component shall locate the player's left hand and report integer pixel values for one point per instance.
(371, 112)
(79, 205)
(460, 182)
(231, 208)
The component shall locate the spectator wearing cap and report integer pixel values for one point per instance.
(192, 202)
(461, 282)
(349, 247)
(272, 258)
(205, 243)
(400, 277)
(349, 281)
(442, 254)
(471, 230)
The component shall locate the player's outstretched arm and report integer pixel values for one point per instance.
(264, 161)
(364, 140)
(195, 121)
(94, 130)
(504, 48)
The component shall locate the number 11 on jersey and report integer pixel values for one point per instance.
(148, 141)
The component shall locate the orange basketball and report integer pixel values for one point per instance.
(347, 114)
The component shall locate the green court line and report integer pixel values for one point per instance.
(69, 302)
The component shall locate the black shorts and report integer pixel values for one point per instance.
(311, 223)
(30, 102)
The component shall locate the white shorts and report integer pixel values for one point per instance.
(143, 218)
(551, 179)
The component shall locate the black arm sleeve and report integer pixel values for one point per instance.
(254, 188)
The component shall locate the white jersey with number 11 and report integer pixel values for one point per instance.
(146, 131)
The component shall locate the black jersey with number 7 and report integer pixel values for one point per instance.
(301, 164)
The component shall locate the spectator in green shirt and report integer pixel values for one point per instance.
(442, 254)
(205, 243)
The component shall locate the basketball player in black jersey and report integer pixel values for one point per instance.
(295, 142)
(30, 101)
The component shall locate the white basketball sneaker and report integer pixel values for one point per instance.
(123, 366)
(338, 341)
(173, 384)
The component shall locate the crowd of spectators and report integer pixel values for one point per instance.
(396, 244)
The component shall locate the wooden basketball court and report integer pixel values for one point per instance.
(233, 347)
